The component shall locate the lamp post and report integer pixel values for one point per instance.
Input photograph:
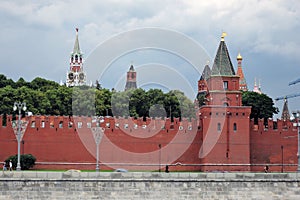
(159, 146)
(19, 106)
(282, 159)
(98, 134)
(296, 115)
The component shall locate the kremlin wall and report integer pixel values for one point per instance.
(56, 143)
(222, 138)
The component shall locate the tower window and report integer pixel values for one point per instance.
(234, 127)
(219, 127)
(225, 85)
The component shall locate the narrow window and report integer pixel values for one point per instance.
(225, 85)
(234, 127)
(219, 126)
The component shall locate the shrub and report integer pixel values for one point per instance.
(27, 161)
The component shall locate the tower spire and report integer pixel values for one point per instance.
(76, 49)
(240, 73)
(256, 88)
(285, 116)
(222, 65)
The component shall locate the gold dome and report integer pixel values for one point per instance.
(239, 57)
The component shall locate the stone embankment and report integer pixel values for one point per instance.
(148, 185)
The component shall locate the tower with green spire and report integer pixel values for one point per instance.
(223, 121)
(223, 83)
(76, 76)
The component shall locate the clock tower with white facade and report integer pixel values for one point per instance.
(76, 76)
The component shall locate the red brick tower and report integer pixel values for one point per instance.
(202, 83)
(285, 116)
(226, 139)
(76, 76)
(243, 83)
(131, 79)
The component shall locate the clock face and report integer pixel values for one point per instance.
(81, 76)
(71, 76)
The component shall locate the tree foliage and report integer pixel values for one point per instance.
(27, 161)
(262, 106)
(45, 97)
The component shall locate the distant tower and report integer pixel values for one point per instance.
(285, 116)
(243, 83)
(131, 79)
(256, 88)
(202, 86)
(76, 76)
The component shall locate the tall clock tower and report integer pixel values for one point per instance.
(76, 76)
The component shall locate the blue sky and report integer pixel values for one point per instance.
(36, 37)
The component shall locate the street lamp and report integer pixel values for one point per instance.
(19, 106)
(159, 146)
(296, 116)
(98, 134)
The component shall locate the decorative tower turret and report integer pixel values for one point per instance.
(131, 79)
(243, 83)
(285, 116)
(256, 88)
(76, 76)
(202, 86)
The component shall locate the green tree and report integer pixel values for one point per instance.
(262, 105)
(27, 161)
(179, 105)
(120, 103)
(156, 99)
(6, 82)
(139, 103)
(7, 95)
(43, 84)
(103, 102)
(21, 82)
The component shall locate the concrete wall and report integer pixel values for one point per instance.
(144, 185)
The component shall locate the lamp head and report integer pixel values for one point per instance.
(24, 106)
(15, 106)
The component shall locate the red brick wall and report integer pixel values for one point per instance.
(266, 146)
(62, 148)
